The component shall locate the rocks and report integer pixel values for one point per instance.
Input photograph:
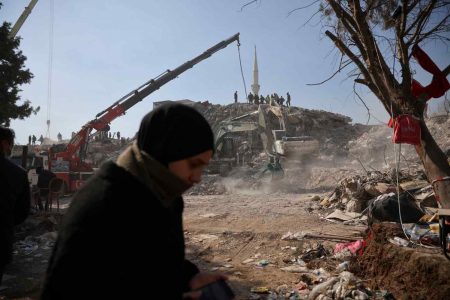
(378, 188)
(354, 193)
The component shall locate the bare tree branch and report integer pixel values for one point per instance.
(403, 55)
(403, 17)
(411, 7)
(341, 67)
(379, 92)
(431, 31)
(446, 71)
(310, 18)
(342, 14)
(374, 61)
(362, 81)
(362, 101)
(423, 16)
(248, 3)
(303, 7)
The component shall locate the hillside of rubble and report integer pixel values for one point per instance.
(333, 131)
(345, 149)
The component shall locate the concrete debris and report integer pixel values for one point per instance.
(322, 288)
(354, 194)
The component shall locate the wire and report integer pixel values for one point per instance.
(50, 68)
(242, 72)
(397, 159)
(397, 167)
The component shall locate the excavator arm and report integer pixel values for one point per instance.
(118, 108)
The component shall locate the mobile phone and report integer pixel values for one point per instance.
(218, 290)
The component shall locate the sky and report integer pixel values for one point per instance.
(104, 49)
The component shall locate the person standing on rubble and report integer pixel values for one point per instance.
(235, 97)
(126, 221)
(14, 197)
(250, 98)
(262, 99)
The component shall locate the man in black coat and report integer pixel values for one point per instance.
(43, 183)
(122, 237)
(14, 197)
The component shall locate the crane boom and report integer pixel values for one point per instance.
(22, 19)
(119, 107)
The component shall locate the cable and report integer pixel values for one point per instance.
(50, 68)
(242, 72)
(397, 160)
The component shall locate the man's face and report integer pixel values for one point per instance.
(190, 169)
(7, 147)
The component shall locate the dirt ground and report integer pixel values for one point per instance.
(406, 272)
(223, 232)
(240, 234)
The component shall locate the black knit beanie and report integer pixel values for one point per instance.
(174, 132)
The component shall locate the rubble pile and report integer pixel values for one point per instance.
(321, 269)
(210, 185)
(406, 272)
(100, 151)
(354, 193)
(439, 127)
(375, 148)
(333, 130)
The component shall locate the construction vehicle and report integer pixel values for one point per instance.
(231, 140)
(68, 161)
(246, 135)
(274, 136)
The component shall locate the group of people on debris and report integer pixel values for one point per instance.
(126, 221)
(272, 99)
(32, 139)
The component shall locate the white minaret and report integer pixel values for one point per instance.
(255, 85)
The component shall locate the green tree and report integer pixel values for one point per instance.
(12, 75)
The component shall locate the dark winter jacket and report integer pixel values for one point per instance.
(122, 236)
(44, 177)
(14, 204)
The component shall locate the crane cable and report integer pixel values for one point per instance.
(50, 68)
(240, 63)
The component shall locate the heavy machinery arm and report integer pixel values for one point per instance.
(22, 19)
(119, 107)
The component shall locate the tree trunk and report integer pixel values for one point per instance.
(436, 166)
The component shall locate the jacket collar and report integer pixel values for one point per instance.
(153, 174)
